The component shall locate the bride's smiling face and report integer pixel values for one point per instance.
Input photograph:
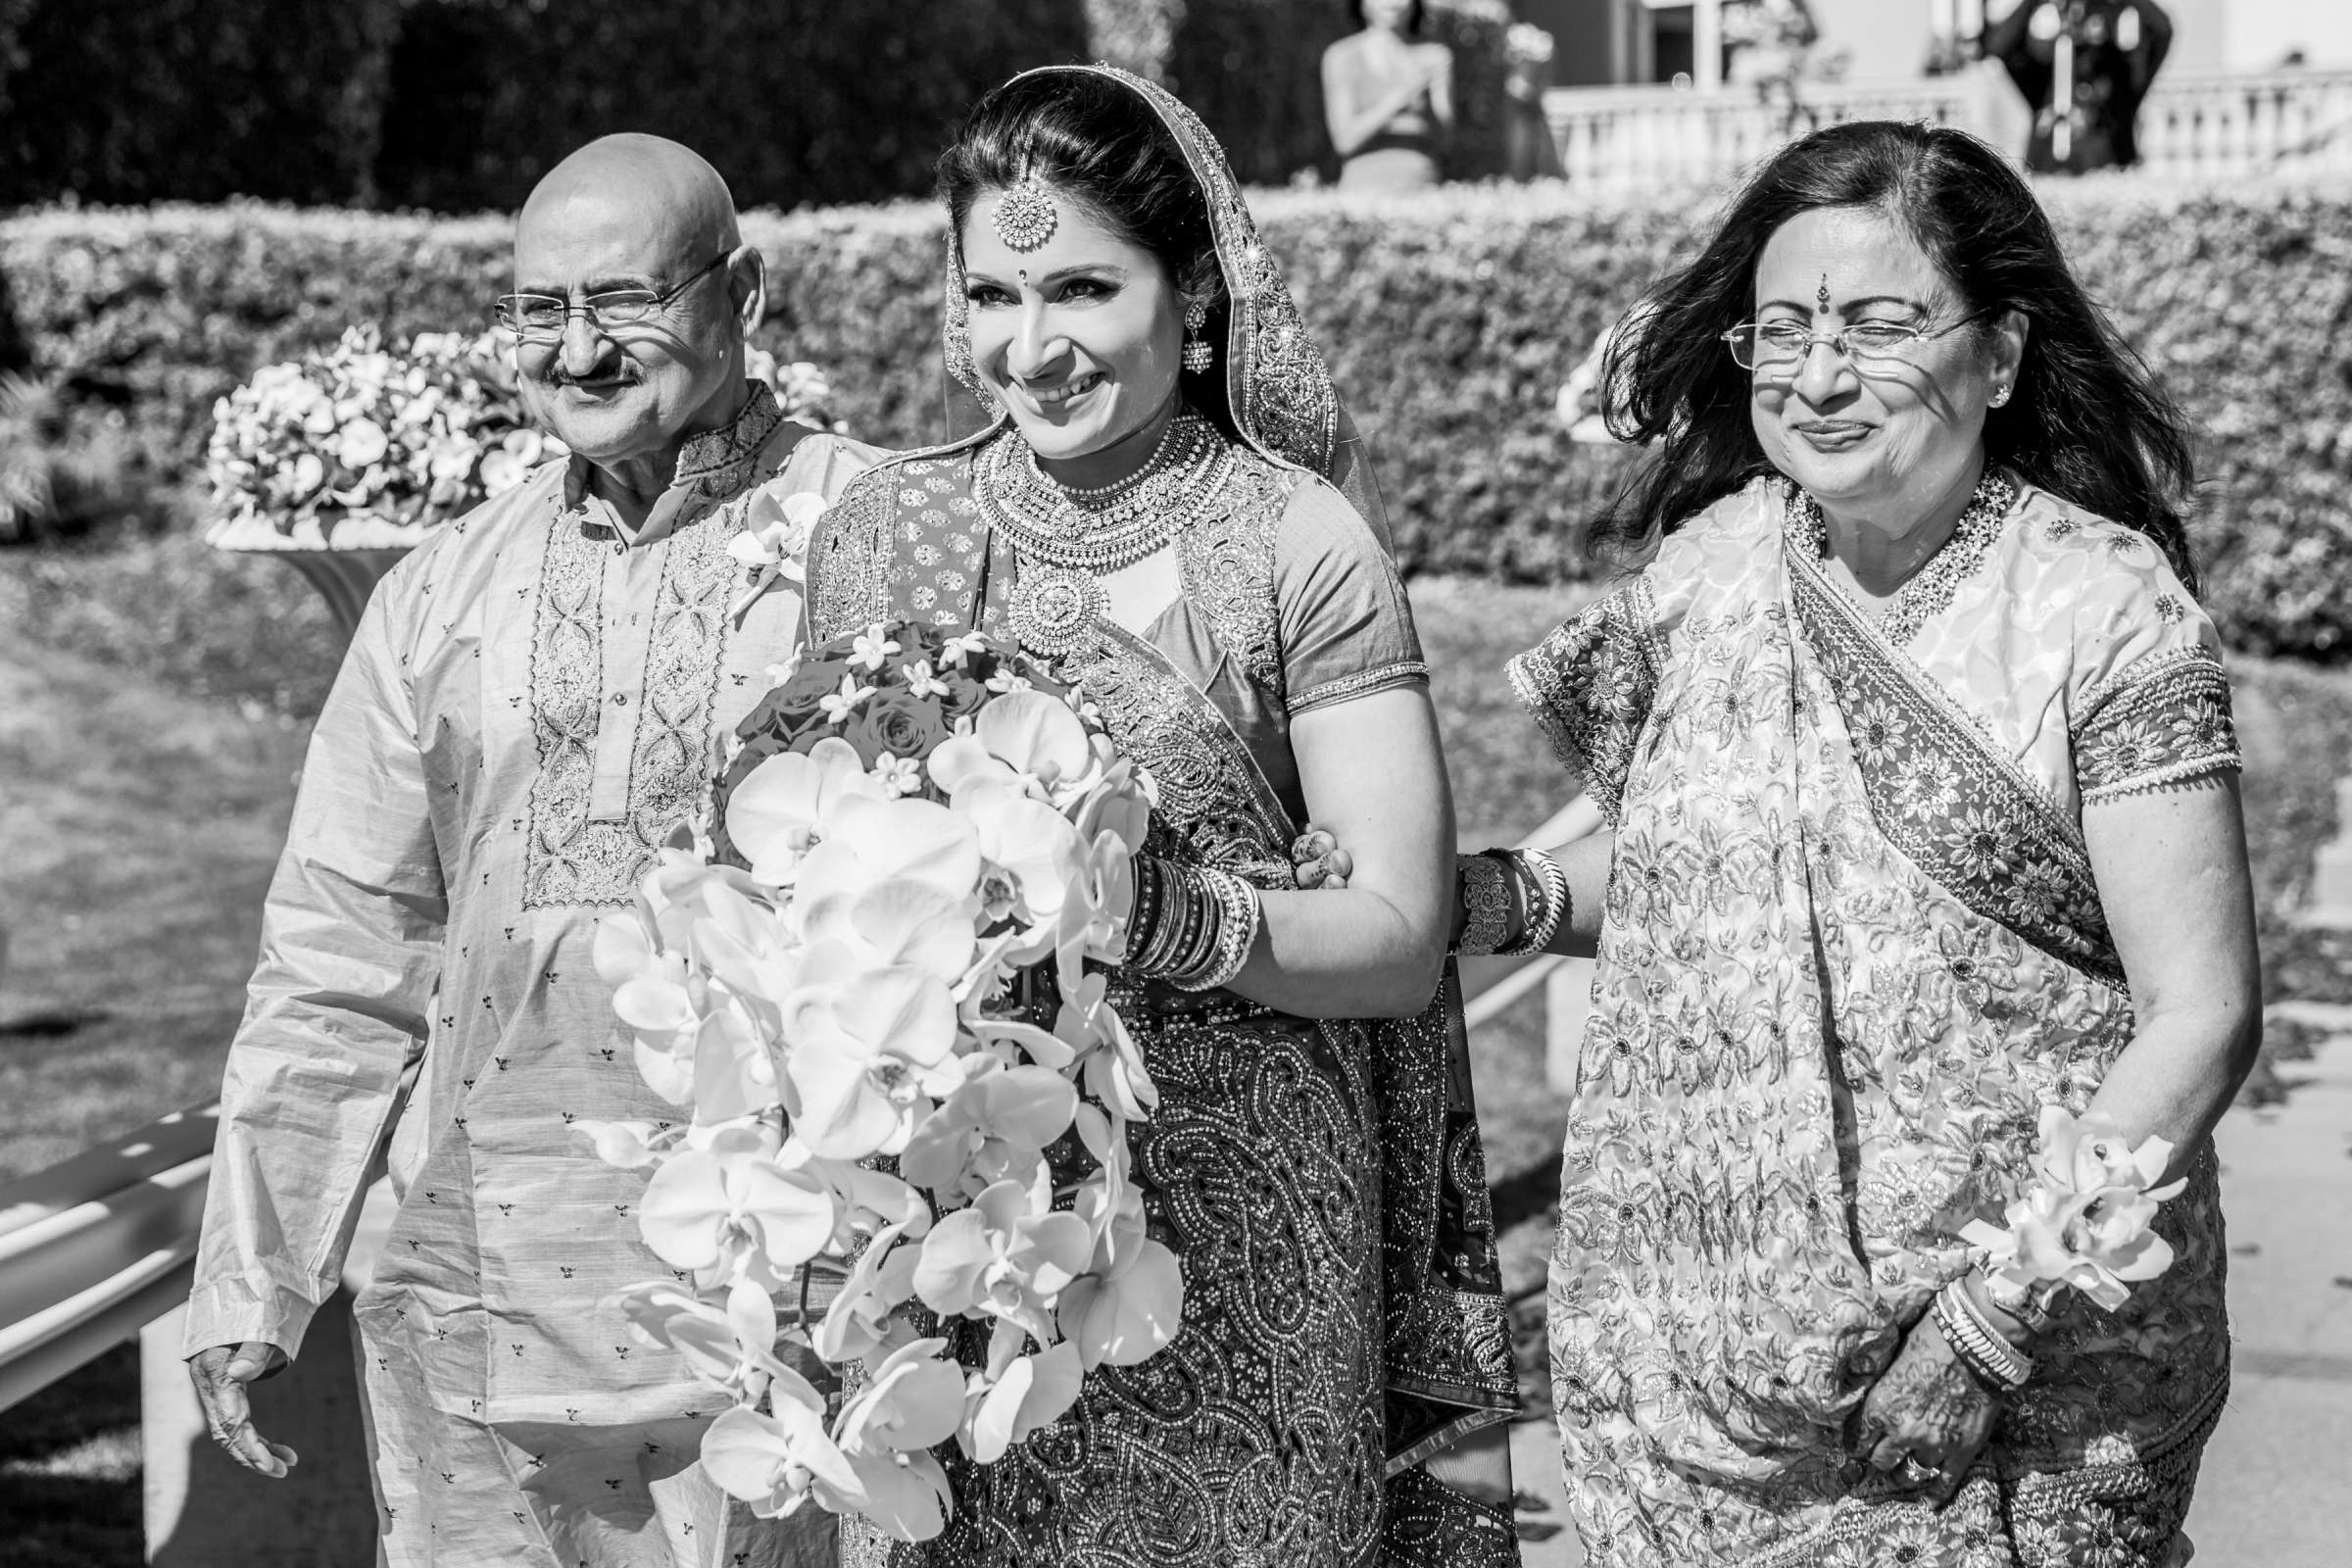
(1082, 337)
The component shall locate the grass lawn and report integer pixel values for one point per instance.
(147, 755)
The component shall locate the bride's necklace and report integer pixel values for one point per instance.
(1066, 539)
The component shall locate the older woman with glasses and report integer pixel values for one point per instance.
(1924, 838)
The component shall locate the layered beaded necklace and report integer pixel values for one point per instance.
(1065, 539)
(1929, 590)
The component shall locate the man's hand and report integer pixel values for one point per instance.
(1318, 862)
(220, 1375)
(1927, 1417)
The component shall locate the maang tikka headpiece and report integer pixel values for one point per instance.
(1026, 217)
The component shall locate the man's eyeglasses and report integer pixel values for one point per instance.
(542, 317)
(1783, 345)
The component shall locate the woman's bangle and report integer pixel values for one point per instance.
(1980, 1346)
(1546, 888)
(1485, 903)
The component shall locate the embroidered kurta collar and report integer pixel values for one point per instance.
(713, 467)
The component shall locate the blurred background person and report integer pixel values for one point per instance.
(1387, 99)
(2085, 67)
(1529, 152)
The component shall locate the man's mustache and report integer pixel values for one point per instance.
(612, 367)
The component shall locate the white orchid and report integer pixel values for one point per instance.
(777, 810)
(2088, 1220)
(837, 999)
(780, 1461)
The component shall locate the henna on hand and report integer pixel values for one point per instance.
(1927, 1406)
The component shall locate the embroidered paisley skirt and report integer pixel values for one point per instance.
(1256, 1440)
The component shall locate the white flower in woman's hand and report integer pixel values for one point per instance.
(779, 808)
(836, 707)
(777, 1462)
(911, 1401)
(920, 681)
(955, 651)
(703, 1208)
(872, 647)
(870, 1055)
(1025, 739)
(1005, 1257)
(1018, 1395)
(900, 775)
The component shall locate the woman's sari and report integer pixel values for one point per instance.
(1851, 946)
(1321, 1181)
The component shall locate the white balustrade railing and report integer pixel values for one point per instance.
(1646, 137)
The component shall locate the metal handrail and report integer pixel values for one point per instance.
(95, 1248)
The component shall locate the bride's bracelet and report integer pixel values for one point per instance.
(1191, 926)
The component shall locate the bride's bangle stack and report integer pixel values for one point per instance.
(1193, 925)
(1488, 905)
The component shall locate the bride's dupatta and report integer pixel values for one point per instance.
(1850, 948)
(908, 540)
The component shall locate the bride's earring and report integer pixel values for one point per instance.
(1199, 353)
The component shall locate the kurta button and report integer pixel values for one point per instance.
(620, 699)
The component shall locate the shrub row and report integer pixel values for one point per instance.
(1450, 321)
(460, 105)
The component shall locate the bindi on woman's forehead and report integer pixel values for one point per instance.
(1822, 294)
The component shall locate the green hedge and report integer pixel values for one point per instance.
(193, 100)
(1450, 321)
(798, 101)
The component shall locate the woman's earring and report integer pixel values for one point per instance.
(1199, 354)
(2000, 396)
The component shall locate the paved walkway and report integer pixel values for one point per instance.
(2276, 1487)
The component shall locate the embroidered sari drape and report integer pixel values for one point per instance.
(1851, 946)
(1322, 1181)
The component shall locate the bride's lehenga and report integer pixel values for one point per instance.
(1322, 1181)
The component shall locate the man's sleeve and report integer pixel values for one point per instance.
(336, 1013)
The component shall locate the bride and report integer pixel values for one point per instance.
(1169, 505)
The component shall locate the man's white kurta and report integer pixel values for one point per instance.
(534, 700)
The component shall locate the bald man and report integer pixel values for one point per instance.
(531, 707)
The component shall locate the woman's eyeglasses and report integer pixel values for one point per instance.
(541, 318)
(1783, 345)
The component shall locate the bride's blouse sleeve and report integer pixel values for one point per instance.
(1346, 629)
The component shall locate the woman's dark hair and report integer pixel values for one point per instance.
(1100, 145)
(2086, 421)
(1412, 21)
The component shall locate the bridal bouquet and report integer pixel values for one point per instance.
(824, 989)
(387, 441)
